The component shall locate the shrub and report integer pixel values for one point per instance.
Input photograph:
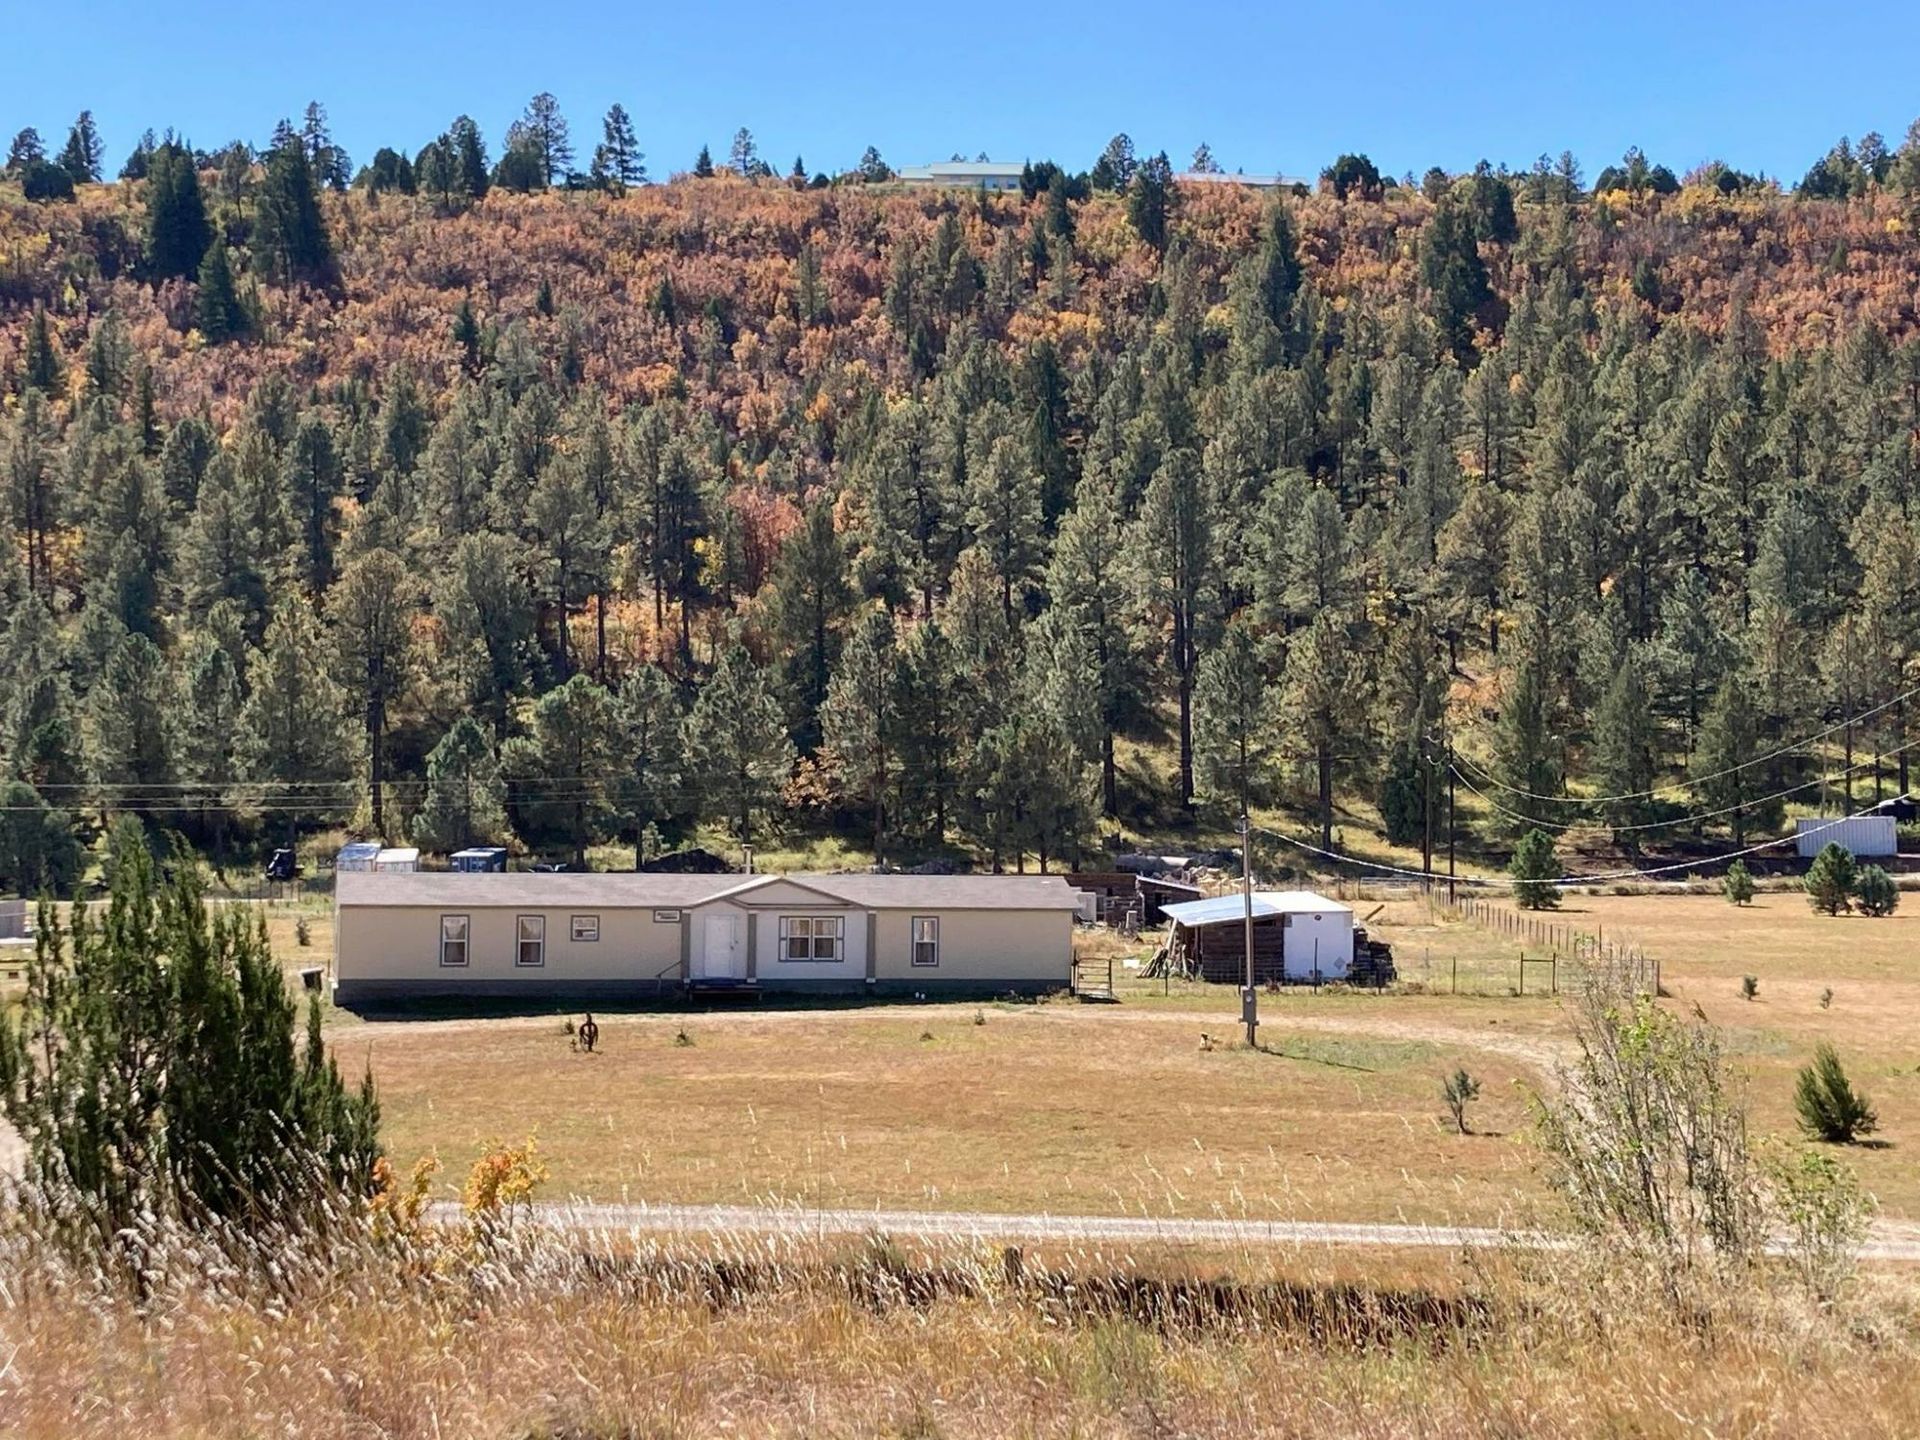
(1459, 1090)
(683, 1040)
(1830, 879)
(1737, 884)
(1875, 891)
(1749, 987)
(1829, 1108)
(302, 933)
(1532, 866)
(1826, 997)
(501, 1184)
(1825, 1216)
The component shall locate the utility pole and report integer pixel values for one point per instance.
(1249, 997)
(1427, 804)
(1448, 741)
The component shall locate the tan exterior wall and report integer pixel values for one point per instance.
(1024, 946)
(402, 943)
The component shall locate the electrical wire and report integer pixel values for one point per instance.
(1747, 764)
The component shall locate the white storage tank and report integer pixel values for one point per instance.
(1867, 836)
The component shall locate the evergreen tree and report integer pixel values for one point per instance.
(1004, 513)
(654, 750)
(315, 480)
(1233, 735)
(33, 497)
(218, 313)
(740, 742)
(1726, 781)
(465, 800)
(1534, 867)
(1831, 879)
(210, 718)
(39, 853)
(42, 369)
(1151, 200)
(809, 599)
(81, 157)
(703, 165)
(546, 132)
(178, 232)
(1176, 535)
(1323, 703)
(861, 719)
(617, 161)
(152, 1071)
(484, 602)
(294, 725)
(1624, 741)
(290, 241)
(132, 711)
(1087, 580)
(371, 609)
(569, 531)
(562, 774)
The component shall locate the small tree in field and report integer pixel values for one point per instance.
(1830, 879)
(1737, 884)
(1459, 1090)
(1532, 867)
(1875, 891)
(1829, 1108)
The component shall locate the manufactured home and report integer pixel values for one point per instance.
(637, 936)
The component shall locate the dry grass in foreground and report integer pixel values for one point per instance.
(544, 1335)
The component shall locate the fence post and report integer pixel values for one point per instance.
(1455, 988)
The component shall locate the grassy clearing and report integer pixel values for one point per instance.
(1095, 1109)
(577, 1336)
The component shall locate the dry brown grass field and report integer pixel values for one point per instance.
(1120, 1109)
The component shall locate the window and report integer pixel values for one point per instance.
(532, 949)
(453, 939)
(926, 940)
(811, 937)
(586, 929)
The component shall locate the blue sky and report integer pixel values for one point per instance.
(1766, 86)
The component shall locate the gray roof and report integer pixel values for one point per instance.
(1232, 909)
(605, 889)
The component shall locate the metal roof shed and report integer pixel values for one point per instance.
(1298, 935)
(356, 857)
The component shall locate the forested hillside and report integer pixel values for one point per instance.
(458, 501)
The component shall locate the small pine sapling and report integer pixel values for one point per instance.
(1875, 891)
(1749, 987)
(1830, 880)
(1737, 884)
(1459, 1090)
(1828, 1106)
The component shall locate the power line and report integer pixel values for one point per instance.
(1747, 764)
(1690, 816)
(1574, 881)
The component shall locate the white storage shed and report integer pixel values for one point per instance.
(1867, 836)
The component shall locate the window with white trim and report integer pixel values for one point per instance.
(454, 930)
(926, 939)
(531, 947)
(812, 937)
(586, 929)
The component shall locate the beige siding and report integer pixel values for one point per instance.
(1010, 946)
(402, 943)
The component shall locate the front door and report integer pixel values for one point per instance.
(723, 951)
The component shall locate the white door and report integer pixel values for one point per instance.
(723, 955)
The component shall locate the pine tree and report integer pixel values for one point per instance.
(1088, 582)
(290, 240)
(1624, 739)
(546, 131)
(152, 1071)
(484, 602)
(465, 800)
(1831, 879)
(569, 531)
(1004, 512)
(654, 752)
(1151, 200)
(42, 369)
(211, 699)
(617, 161)
(703, 165)
(39, 853)
(372, 610)
(131, 715)
(1725, 779)
(218, 313)
(740, 742)
(932, 741)
(1175, 533)
(294, 725)
(861, 720)
(33, 496)
(809, 597)
(1233, 735)
(1324, 704)
(81, 157)
(1533, 867)
(562, 774)
(178, 232)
